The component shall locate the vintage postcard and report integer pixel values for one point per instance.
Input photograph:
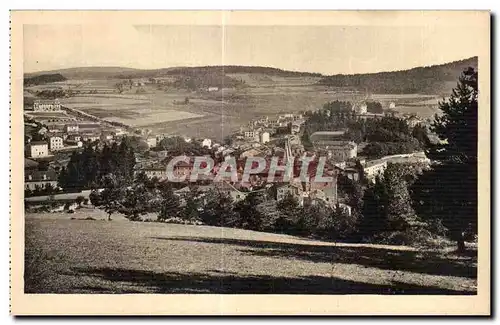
(250, 163)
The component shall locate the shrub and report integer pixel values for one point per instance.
(79, 200)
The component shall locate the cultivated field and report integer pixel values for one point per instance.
(217, 114)
(97, 256)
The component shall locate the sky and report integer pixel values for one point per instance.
(323, 49)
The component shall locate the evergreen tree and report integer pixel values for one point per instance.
(191, 208)
(111, 197)
(218, 209)
(62, 178)
(374, 209)
(249, 217)
(449, 190)
(137, 201)
(400, 213)
(289, 212)
(169, 202)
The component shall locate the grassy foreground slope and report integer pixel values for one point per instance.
(97, 256)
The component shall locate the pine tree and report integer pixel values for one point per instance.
(137, 202)
(375, 205)
(111, 197)
(289, 212)
(169, 202)
(249, 217)
(218, 209)
(448, 191)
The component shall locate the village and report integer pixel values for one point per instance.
(179, 158)
(53, 132)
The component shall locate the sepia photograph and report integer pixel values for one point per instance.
(230, 155)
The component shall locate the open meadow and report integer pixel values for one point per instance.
(67, 254)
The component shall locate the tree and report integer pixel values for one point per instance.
(374, 209)
(136, 202)
(217, 209)
(191, 210)
(79, 200)
(400, 214)
(169, 202)
(449, 190)
(111, 197)
(49, 189)
(458, 122)
(374, 107)
(119, 87)
(62, 178)
(420, 133)
(289, 211)
(249, 217)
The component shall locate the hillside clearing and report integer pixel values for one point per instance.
(97, 256)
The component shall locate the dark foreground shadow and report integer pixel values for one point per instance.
(427, 262)
(228, 283)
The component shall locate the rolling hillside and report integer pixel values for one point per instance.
(87, 72)
(43, 79)
(119, 72)
(82, 253)
(436, 79)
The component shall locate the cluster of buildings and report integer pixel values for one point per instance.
(306, 192)
(265, 137)
(332, 143)
(261, 129)
(62, 130)
(69, 137)
(35, 179)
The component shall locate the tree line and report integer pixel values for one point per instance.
(88, 168)
(387, 135)
(422, 80)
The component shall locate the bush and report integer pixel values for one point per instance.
(79, 200)
(338, 224)
(409, 237)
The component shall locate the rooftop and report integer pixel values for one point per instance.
(37, 143)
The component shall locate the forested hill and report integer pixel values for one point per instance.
(129, 73)
(43, 79)
(436, 79)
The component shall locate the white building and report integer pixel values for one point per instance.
(265, 137)
(72, 128)
(46, 105)
(39, 149)
(38, 180)
(151, 141)
(251, 134)
(343, 151)
(91, 137)
(206, 143)
(56, 143)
